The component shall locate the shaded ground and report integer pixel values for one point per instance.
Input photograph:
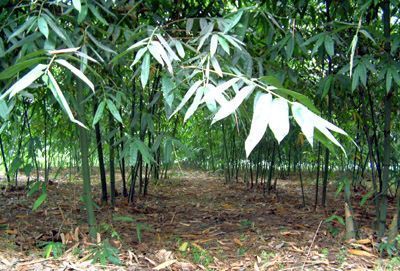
(191, 222)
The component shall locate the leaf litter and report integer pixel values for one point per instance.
(192, 221)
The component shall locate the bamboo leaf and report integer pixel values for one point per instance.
(77, 5)
(59, 96)
(96, 13)
(304, 118)
(189, 25)
(213, 44)
(28, 23)
(156, 54)
(39, 201)
(179, 49)
(145, 70)
(329, 45)
(217, 68)
(43, 27)
(233, 104)
(196, 102)
(76, 72)
(100, 45)
(259, 122)
(138, 56)
(353, 47)
(114, 111)
(3, 109)
(279, 120)
(224, 44)
(233, 21)
(53, 26)
(20, 66)
(25, 81)
(99, 113)
(187, 96)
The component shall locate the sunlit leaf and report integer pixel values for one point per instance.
(213, 44)
(145, 70)
(233, 104)
(77, 5)
(260, 120)
(59, 96)
(76, 72)
(196, 102)
(279, 120)
(25, 81)
(187, 96)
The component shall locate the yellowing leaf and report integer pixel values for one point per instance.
(362, 253)
(183, 247)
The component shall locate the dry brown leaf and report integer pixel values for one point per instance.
(363, 241)
(11, 232)
(237, 242)
(164, 264)
(359, 252)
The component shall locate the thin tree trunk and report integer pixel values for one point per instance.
(386, 131)
(84, 149)
(112, 161)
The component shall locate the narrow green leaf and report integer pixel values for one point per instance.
(43, 27)
(139, 55)
(76, 72)
(216, 66)
(144, 150)
(290, 47)
(2, 51)
(298, 96)
(114, 111)
(353, 50)
(96, 13)
(224, 44)
(83, 13)
(187, 96)
(189, 25)
(28, 23)
(59, 96)
(196, 102)
(145, 70)
(99, 44)
(233, 21)
(20, 66)
(99, 113)
(39, 201)
(25, 81)
(179, 49)
(54, 27)
(388, 80)
(304, 119)
(3, 109)
(213, 44)
(77, 5)
(329, 45)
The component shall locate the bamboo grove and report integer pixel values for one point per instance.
(250, 89)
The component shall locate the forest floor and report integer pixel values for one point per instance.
(192, 221)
